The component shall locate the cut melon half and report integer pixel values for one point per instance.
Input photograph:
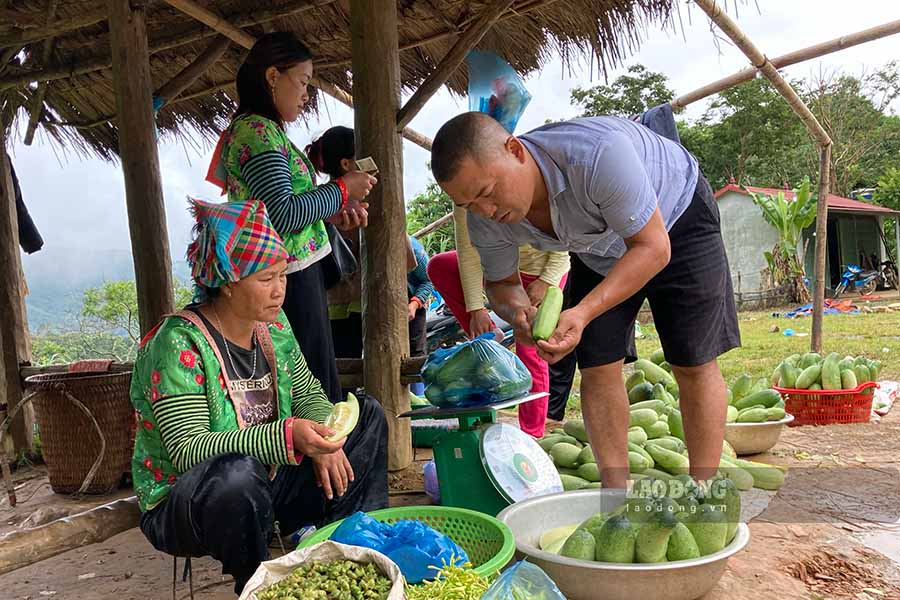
(553, 539)
(343, 418)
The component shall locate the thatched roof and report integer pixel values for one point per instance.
(79, 98)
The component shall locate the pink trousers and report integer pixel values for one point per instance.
(443, 271)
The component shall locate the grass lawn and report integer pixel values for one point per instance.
(872, 335)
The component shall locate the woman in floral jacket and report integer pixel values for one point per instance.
(230, 445)
(255, 159)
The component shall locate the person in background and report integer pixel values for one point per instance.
(255, 159)
(332, 154)
(230, 448)
(458, 278)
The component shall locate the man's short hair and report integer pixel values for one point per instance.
(472, 134)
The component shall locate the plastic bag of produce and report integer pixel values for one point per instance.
(273, 571)
(415, 547)
(474, 373)
(496, 89)
(523, 580)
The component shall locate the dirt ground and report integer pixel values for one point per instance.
(832, 531)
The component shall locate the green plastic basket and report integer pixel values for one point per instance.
(488, 542)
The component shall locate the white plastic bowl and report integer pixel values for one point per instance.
(753, 438)
(585, 580)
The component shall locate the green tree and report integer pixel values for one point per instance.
(789, 218)
(426, 208)
(887, 193)
(629, 95)
(107, 326)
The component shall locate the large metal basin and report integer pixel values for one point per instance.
(583, 580)
(753, 438)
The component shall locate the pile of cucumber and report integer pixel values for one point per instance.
(750, 402)
(680, 520)
(656, 447)
(812, 372)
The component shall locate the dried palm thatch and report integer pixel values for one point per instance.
(79, 100)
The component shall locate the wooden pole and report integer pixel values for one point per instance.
(376, 83)
(457, 54)
(210, 55)
(11, 316)
(760, 62)
(821, 248)
(37, 101)
(791, 58)
(140, 161)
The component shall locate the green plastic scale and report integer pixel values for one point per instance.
(484, 465)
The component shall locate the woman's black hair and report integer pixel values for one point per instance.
(280, 49)
(332, 146)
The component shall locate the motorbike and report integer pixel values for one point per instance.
(866, 282)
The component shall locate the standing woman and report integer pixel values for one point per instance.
(256, 160)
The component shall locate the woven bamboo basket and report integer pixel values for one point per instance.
(86, 426)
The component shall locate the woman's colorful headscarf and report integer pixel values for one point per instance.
(231, 241)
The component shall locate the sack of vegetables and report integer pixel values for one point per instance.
(325, 569)
(474, 373)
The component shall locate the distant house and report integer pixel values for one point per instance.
(854, 231)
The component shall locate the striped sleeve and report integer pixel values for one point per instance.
(268, 176)
(422, 288)
(184, 426)
(308, 399)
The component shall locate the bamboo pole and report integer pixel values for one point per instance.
(210, 55)
(213, 21)
(140, 162)
(821, 248)
(433, 226)
(791, 58)
(37, 101)
(376, 81)
(760, 62)
(451, 61)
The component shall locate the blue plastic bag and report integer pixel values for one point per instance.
(414, 546)
(474, 373)
(496, 89)
(523, 580)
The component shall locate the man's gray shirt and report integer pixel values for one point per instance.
(605, 177)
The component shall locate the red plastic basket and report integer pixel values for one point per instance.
(827, 407)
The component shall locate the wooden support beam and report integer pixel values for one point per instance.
(37, 101)
(821, 249)
(12, 324)
(140, 162)
(791, 58)
(376, 83)
(184, 79)
(451, 61)
(58, 27)
(760, 62)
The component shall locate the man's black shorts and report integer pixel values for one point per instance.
(691, 298)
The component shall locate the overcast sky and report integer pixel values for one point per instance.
(69, 199)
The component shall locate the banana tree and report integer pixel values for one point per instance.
(789, 217)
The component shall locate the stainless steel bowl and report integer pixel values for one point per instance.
(753, 438)
(583, 580)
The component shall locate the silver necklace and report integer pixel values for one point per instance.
(228, 349)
